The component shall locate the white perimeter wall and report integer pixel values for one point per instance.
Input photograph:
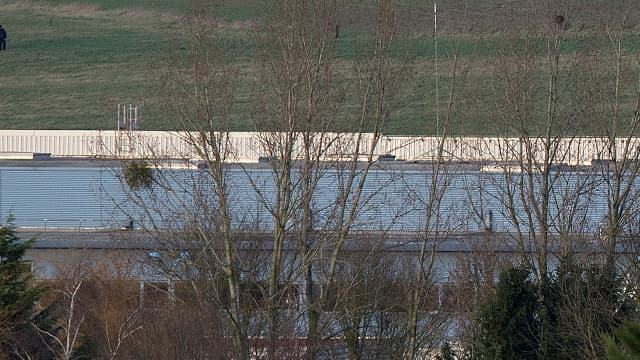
(248, 146)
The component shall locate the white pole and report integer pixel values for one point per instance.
(435, 36)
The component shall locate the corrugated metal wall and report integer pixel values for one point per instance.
(58, 197)
(391, 200)
(247, 146)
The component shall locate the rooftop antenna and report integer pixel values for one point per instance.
(128, 123)
(128, 117)
(435, 40)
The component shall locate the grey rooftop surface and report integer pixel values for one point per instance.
(478, 242)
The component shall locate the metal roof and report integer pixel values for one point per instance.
(48, 195)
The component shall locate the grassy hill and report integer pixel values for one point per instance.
(69, 63)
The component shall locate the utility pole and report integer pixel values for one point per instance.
(435, 40)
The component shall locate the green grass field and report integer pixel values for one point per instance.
(69, 63)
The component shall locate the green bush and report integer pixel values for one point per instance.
(508, 322)
(629, 347)
(565, 316)
(18, 337)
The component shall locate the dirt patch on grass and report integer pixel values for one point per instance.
(60, 10)
(92, 11)
(84, 10)
(238, 25)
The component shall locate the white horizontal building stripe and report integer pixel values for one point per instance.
(249, 146)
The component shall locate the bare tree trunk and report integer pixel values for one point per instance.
(298, 104)
(201, 97)
(621, 173)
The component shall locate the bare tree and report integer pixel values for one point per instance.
(300, 100)
(299, 92)
(65, 337)
(620, 120)
(297, 106)
(202, 95)
(544, 198)
(545, 102)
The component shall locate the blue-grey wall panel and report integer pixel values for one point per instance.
(391, 200)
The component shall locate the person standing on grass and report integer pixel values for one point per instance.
(3, 38)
